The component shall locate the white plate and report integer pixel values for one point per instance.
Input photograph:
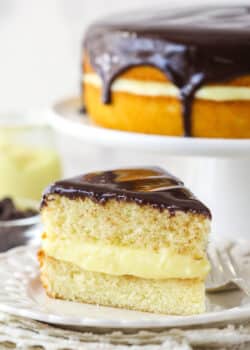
(66, 118)
(22, 294)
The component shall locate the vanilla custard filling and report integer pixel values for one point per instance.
(117, 260)
(146, 88)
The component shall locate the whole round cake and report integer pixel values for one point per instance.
(182, 72)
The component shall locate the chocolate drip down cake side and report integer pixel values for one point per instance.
(170, 71)
(129, 238)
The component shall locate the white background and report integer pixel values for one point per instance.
(40, 43)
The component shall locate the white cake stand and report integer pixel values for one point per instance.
(217, 170)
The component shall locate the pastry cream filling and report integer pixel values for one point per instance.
(154, 88)
(117, 260)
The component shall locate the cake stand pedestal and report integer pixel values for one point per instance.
(217, 170)
(224, 185)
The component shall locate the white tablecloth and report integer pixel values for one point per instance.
(17, 332)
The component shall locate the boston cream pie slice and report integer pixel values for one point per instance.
(129, 238)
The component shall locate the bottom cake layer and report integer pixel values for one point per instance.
(173, 296)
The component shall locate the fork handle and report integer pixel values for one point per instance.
(241, 283)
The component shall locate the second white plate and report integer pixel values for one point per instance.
(22, 294)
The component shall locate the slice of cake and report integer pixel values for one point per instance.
(130, 238)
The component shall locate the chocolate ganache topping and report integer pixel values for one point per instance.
(191, 46)
(152, 186)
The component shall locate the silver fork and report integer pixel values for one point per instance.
(225, 272)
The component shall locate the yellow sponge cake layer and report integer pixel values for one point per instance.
(172, 296)
(125, 224)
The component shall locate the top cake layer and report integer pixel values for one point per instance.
(152, 186)
(192, 47)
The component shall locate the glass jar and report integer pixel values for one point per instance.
(28, 157)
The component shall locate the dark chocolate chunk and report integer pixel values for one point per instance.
(82, 110)
(8, 211)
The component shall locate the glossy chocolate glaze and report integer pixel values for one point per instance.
(150, 186)
(192, 47)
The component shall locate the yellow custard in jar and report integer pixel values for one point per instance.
(25, 171)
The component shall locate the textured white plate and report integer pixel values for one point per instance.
(22, 294)
(66, 118)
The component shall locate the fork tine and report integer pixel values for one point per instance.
(216, 267)
(233, 262)
(228, 273)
